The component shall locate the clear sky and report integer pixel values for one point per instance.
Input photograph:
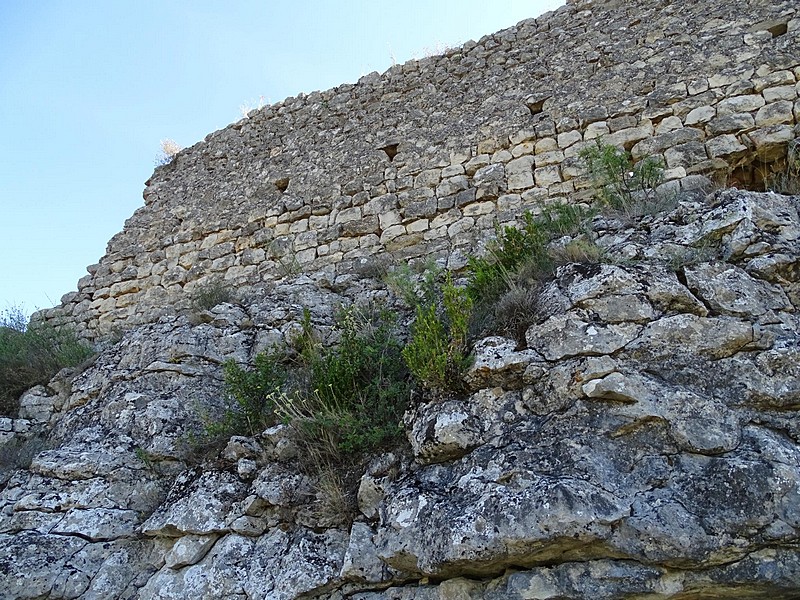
(89, 88)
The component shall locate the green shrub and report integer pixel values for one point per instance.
(518, 249)
(437, 353)
(343, 400)
(620, 184)
(421, 288)
(358, 389)
(249, 395)
(206, 297)
(31, 354)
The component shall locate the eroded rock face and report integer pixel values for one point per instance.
(644, 441)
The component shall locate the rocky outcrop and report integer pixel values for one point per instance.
(643, 441)
(422, 161)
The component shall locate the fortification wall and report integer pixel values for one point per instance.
(422, 161)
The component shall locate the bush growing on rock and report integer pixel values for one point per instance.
(518, 260)
(31, 354)
(249, 394)
(213, 294)
(343, 399)
(354, 393)
(437, 353)
(515, 250)
(620, 184)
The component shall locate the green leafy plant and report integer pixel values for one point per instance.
(437, 353)
(343, 399)
(31, 354)
(357, 390)
(621, 184)
(524, 248)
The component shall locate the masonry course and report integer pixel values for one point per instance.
(423, 161)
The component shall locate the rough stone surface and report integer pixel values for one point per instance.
(415, 165)
(642, 441)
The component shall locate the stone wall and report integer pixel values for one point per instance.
(422, 161)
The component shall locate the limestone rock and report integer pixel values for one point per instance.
(642, 442)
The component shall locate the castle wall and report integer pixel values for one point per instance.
(423, 161)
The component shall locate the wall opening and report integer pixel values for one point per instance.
(535, 104)
(777, 27)
(391, 151)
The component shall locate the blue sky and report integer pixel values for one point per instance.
(89, 88)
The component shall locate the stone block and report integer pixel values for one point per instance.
(769, 142)
(777, 113)
(701, 114)
(349, 214)
(460, 226)
(546, 145)
(623, 122)
(389, 218)
(428, 178)
(305, 240)
(547, 176)
(685, 155)
(306, 256)
(730, 124)
(509, 202)
(657, 144)
(523, 149)
(566, 139)
(698, 86)
(669, 124)
(534, 196)
(740, 104)
(776, 78)
(452, 185)
(785, 92)
(592, 115)
(627, 138)
(520, 173)
(391, 233)
(724, 146)
(418, 226)
(478, 208)
(595, 130)
(501, 156)
(299, 226)
(476, 164)
(727, 78)
(425, 208)
(522, 136)
(376, 206)
(452, 171)
(444, 219)
(549, 158)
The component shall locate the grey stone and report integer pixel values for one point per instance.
(569, 335)
(188, 550)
